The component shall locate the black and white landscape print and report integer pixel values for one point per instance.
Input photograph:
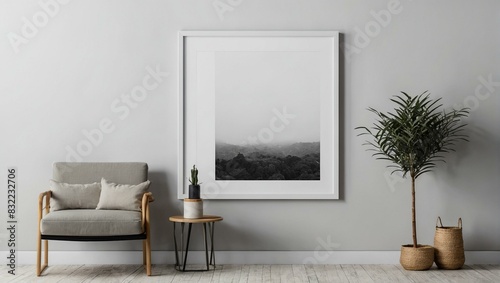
(267, 116)
(297, 161)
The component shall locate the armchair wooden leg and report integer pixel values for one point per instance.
(46, 254)
(144, 252)
(147, 250)
(39, 255)
(39, 267)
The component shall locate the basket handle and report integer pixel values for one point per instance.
(441, 223)
(460, 223)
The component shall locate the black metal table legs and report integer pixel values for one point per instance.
(184, 252)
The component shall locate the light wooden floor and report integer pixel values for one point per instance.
(252, 273)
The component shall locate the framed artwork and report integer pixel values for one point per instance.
(259, 114)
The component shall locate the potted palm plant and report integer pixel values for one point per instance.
(414, 138)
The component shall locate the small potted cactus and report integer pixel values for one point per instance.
(193, 205)
(194, 188)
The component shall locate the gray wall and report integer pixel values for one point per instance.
(68, 74)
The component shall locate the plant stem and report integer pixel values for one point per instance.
(413, 213)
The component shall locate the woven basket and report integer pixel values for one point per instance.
(449, 246)
(420, 258)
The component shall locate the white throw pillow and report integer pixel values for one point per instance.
(74, 196)
(121, 197)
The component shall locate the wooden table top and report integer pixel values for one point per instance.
(204, 219)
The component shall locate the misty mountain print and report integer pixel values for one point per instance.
(296, 161)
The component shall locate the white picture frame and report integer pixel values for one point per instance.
(202, 81)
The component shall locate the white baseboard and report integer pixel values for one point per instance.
(240, 257)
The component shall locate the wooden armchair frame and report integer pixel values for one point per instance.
(145, 236)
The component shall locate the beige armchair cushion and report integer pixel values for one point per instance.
(121, 197)
(89, 172)
(91, 222)
(74, 196)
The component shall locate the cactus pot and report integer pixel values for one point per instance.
(193, 208)
(194, 191)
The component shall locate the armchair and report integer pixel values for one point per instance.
(68, 211)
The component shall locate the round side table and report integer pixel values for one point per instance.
(206, 219)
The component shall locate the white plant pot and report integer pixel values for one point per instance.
(193, 208)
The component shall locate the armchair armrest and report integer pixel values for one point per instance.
(46, 195)
(146, 199)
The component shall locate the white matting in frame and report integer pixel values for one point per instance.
(259, 114)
